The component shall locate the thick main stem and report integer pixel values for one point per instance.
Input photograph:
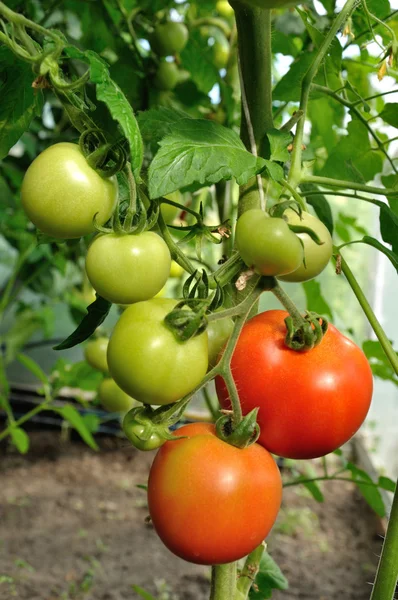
(387, 571)
(254, 39)
(223, 582)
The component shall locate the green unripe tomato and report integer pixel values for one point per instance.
(95, 354)
(167, 76)
(218, 333)
(316, 256)
(224, 8)
(176, 270)
(170, 212)
(169, 38)
(142, 434)
(61, 193)
(112, 398)
(220, 54)
(267, 244)
(148, 362)
(128, 268)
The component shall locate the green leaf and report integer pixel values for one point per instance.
(92, 422)
(353, 158)
(274, 170)
(345, 225)
(386, 251)
(269, 578)
(96, 314)
(279, 141)
(70, 414)
(387, 484)
(20, 439)
(314, 490)
(315, 301)
(201, 152)
(76, 375)
(24, 327)
(381, 366)
(283, 44)
(370, 492)
(143, 593)
(109, 92)
(158, 122)
(319, 204)
(197, 58)
(390, 114)
(288, 89)
(33, 367)
(19, 102)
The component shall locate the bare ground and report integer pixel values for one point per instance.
(72, 527)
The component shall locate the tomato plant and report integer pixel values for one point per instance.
(169, 38)
(114, 399)
(239, 493)
(167, 76)
(266, 159)
(141, 340)
(316, 256)
(62, 194)
(218, 333)
(267, 244)
(128, 268)
(141, 432)
(95, 353)
(310, 403)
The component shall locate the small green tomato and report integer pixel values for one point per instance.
(114, 399)
(266, 244)
(95, 354)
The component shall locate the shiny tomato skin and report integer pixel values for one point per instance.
(147, 361)
(61, 193)
(212, 503)
(266, 244)
(316, 255)
(128, 268)
(310, 403)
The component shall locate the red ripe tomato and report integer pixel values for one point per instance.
(212, 503)
(310, 402)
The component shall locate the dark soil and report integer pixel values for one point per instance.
(72, 527)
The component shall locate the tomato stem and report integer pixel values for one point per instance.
(295, 168)
(387, 570)
(223, 582)
(367, 309)
(347, 185)
(249, 572)
(254, 42)
(132, 209)
(291, 308)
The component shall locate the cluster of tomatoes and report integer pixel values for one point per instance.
(210, 502)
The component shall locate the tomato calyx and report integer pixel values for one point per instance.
(185, 323)
(306, 335)
(242, 435)
(107, 159)
(143, 432)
